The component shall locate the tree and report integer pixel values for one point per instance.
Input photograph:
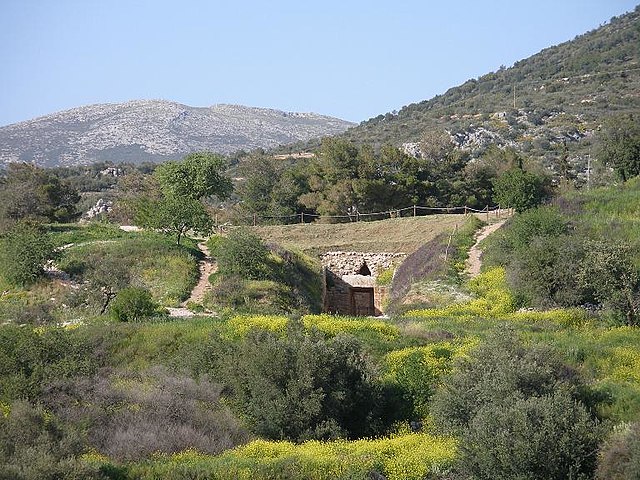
(29, 192)
(620, 145)
(197, 176)
(184, 185)
(608, 273)
(24, 251)
(520, 190)
(176, 215)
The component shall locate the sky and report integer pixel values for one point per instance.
(352, 59)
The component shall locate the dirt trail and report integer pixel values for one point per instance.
(474, 262)
(206, 266)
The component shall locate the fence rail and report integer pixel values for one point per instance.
(411, 211)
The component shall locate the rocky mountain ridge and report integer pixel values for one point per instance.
(155, 130)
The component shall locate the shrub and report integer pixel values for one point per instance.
(301, 385)
(130, 416)
(619, 457)
(34, 445)
(132, 304)
(545, 273)
(612, 279)
(243, 254)
(499, 371)
(520, 190)
(551, 437)
(23, 253)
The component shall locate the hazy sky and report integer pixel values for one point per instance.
(350, 59)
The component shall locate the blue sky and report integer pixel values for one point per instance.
(350, 59)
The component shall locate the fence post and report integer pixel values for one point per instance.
(254, 219)
(302, 217)
(465, 210)
(414, 210)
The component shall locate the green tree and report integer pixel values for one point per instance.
(608, 273)
(176, 215)
(620, 145)
(520, 190)
(196, 176)
(24, 250)
(29, 192)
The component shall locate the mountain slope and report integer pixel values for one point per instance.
(561, 96)
(155, 130)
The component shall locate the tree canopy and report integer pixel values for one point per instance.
(620, 145)
(196, 176)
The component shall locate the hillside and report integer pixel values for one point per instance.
(547, 106)
(154, 130)
(396, 235)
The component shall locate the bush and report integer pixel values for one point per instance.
(302, 386)
(520, 190)
(34, 445)
(546, 438)
(243, 254)
(131, 416)
(132, 304)
(619, 457)
(498, 372)
(612, 279)
(24, 251)
(544, 274)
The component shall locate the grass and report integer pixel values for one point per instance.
(401, 235)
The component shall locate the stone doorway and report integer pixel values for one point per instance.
(362, 301)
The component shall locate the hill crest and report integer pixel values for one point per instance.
(155, 130)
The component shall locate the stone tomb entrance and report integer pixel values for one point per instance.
(350, 286)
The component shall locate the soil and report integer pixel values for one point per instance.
(207, 266)
(474, 262)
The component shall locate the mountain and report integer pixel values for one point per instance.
(547, 106)
(155, 130)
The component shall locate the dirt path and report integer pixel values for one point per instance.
(206, 266)
(474, 261)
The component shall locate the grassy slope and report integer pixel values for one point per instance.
(403, 235)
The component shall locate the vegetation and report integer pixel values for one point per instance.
(254, 277)
(24, 250)
(528, 370)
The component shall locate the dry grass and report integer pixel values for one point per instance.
(392, 235)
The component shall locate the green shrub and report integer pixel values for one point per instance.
(24, 251)
(243, 254)
(133, 304)
(500, 370)
(520, 190)
(302, 386)
(612, 279)
(551, 437)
